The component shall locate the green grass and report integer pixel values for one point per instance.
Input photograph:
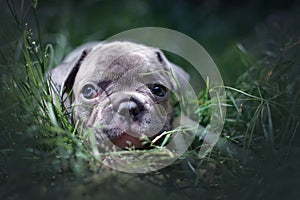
(44, 149)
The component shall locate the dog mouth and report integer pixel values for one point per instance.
(126, 141)
(121, 138)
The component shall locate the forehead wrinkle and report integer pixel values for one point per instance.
(125, 64)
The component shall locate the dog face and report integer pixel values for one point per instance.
(121, 91)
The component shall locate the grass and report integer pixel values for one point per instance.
(262, 122)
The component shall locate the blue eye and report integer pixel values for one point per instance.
(89, 91)
(159, 90)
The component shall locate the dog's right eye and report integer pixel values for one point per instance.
(89, 91)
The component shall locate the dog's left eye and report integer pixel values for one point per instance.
(89, 91)
(159, 90)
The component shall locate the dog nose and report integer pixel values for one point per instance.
(130, 109)
(134, 110)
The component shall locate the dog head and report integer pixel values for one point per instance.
(120, 90)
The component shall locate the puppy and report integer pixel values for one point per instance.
(119, 91)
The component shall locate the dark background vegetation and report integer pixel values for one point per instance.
(223, 27)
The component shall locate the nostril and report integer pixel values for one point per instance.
(134, 110)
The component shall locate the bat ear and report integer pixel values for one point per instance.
(63, 76)
(179, 78)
